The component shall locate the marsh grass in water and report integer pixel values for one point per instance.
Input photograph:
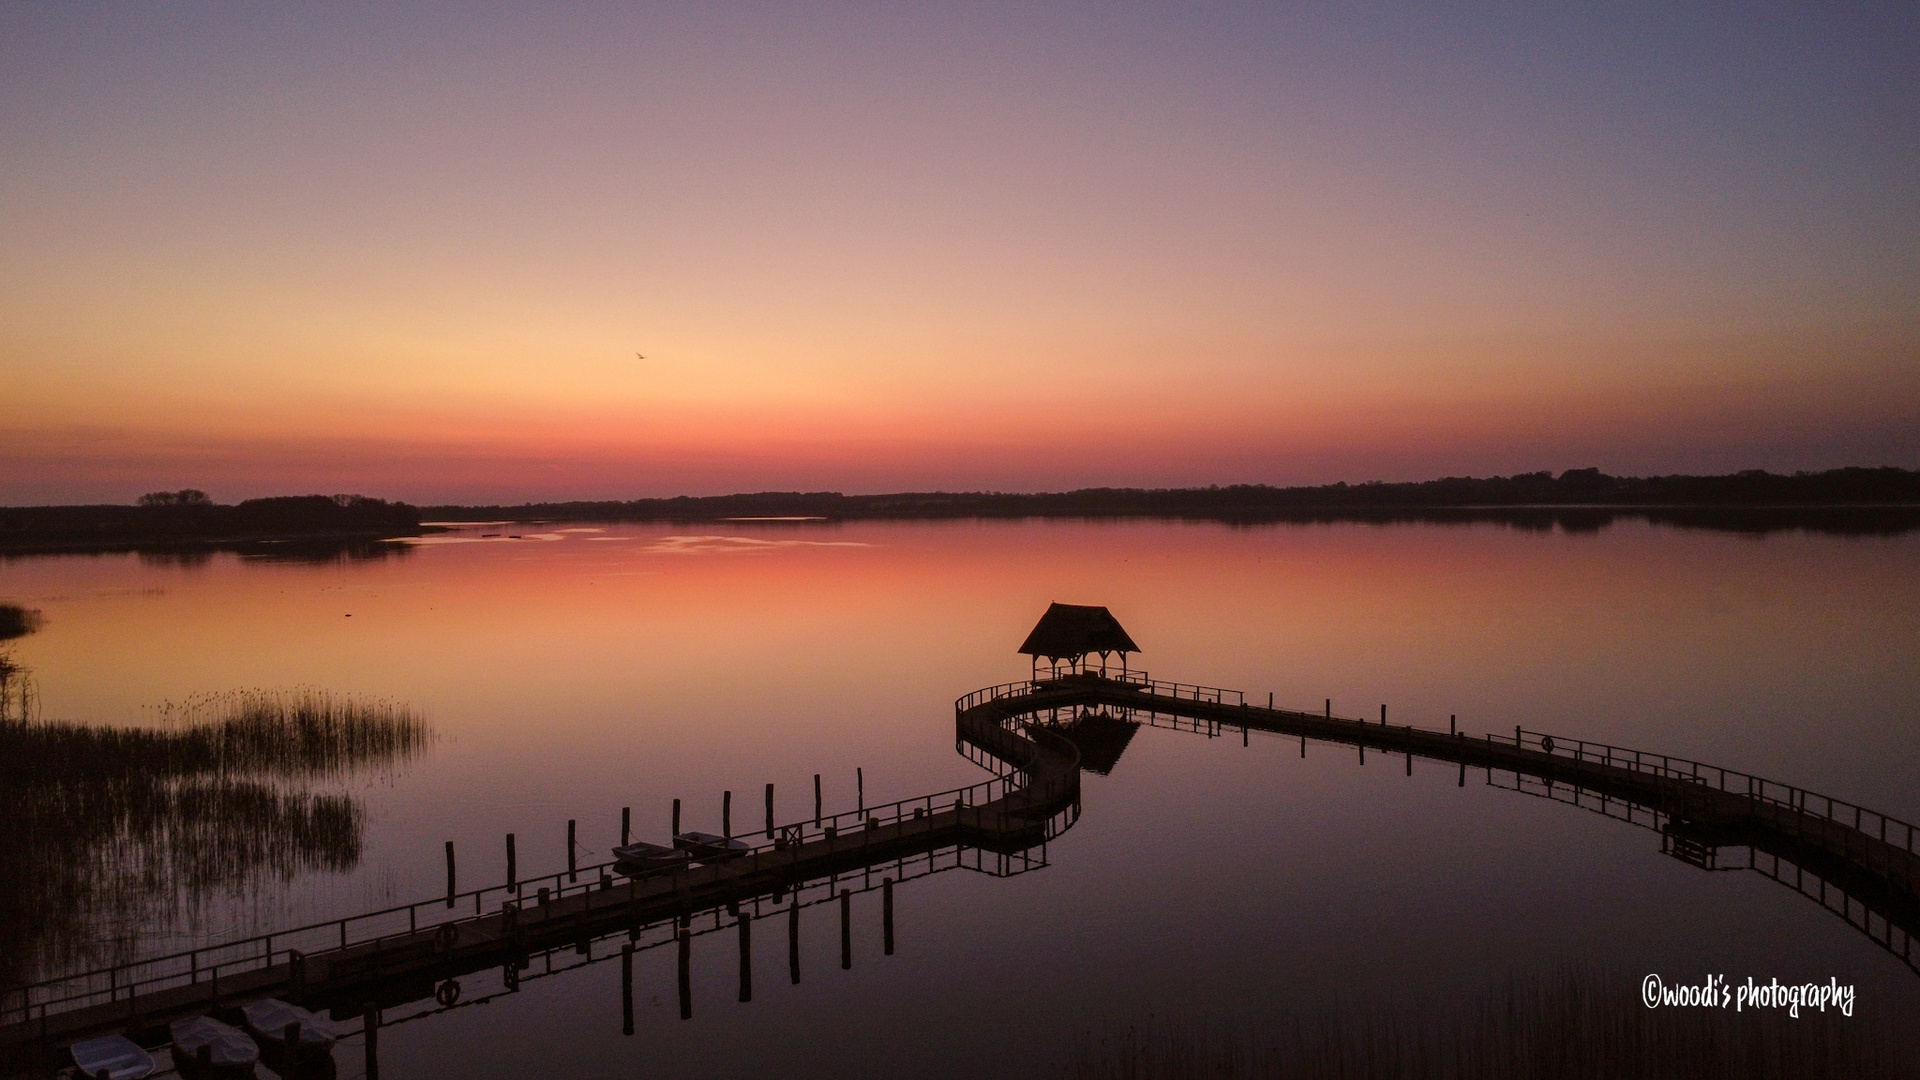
(1577, 1025)
(117, 828)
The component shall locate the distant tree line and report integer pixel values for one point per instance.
(1753, 489)
(190, 517)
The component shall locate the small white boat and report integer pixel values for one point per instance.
(269, 1019)
(203, 1046)
(114, 1056)
(708, 847)
(636, 859)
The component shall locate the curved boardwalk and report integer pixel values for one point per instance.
(399, 955)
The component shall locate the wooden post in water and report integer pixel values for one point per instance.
(513, 882)
(1269, 701)
(886, 914)
(676, 818)
(816, 800)
(572, 873)
(726, 814)
(793, 939)
(450, 879)
(745, 919)
(1329, 708)
(370, 1025)
(1383, 715)
(846, 930)
(1453, 724)
(626, 825)
(769, 811)
(626, 989)
(860, 790)
(686, 971)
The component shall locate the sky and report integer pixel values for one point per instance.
(477, 253)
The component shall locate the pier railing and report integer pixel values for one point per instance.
(1179, 691)
(1759, 789)
(210, 963)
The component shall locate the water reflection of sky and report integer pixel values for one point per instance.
(570, 678)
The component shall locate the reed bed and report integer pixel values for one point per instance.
(116, 829)
(1577, 1025)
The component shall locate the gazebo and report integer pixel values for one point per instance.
(1070, 632)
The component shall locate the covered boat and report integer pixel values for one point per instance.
(114, 1056)
(203, 1046)
(639, 858)
(708, 847)
(270, 1020)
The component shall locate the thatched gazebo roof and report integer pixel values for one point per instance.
(1071, 631)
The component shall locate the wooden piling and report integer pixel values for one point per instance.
(1329, 708)
(746, 956)
(846, 930)
(886, 914)
(686, 972)
(726, 814)
(626, 825)
(1453, 724)
(450, 879)
(1383, 715)
(676, 818)
(769, 811)
(626, 989)
(370, 1025)
(816, 800)
(860, 790)
(513, 882)
(573, 874)
(793, 939)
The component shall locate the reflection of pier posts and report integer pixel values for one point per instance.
(686, 971)
(370, 1026)
(626, 989)
(846, 930)
(746, 956)
(886, 917)
(793, 939)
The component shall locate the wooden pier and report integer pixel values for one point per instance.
(406, 954)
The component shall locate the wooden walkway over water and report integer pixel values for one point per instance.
(402, 954)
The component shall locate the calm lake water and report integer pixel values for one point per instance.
(569, 673)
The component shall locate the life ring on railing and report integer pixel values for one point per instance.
(448, 993)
